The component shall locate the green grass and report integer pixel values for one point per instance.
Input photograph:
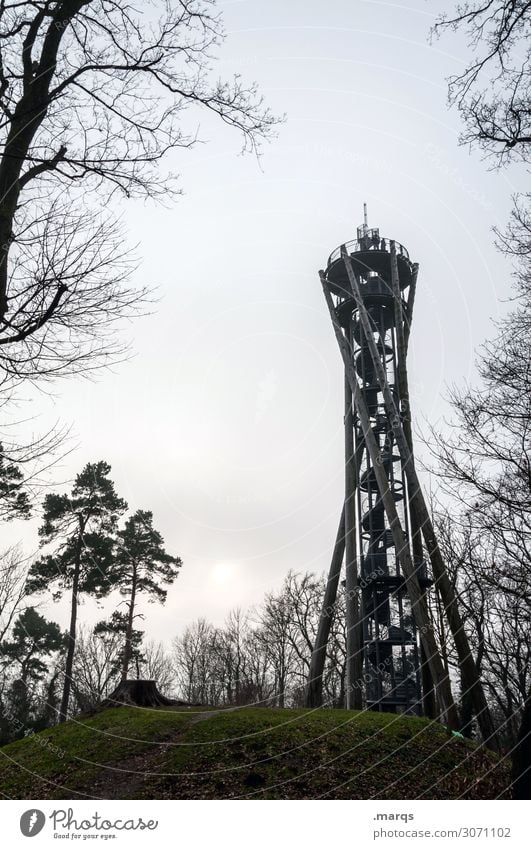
(251, 753)
(73, 754)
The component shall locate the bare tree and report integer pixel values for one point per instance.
(521, 774)
(275, 620)
(96, 669)
(498, 625)
(489, 465)
(13, 573)
(303, 596)
(262, 657)
(494, 91)
(335, 670)
(485, 460)
(507, 661)
(289, 620)
(156, 665)
(93, 94)
(68, 293)
(259, 686)
(194, 664)
(230, 650)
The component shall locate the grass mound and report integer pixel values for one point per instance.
(175, 753)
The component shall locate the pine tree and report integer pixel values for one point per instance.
(26, 654)
(142, 565)
(118, 625)
(82, 526)
(33, 637)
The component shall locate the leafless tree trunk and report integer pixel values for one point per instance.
(129, 625)
(522, 756)
(92, 96)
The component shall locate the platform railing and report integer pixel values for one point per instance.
(368, 243)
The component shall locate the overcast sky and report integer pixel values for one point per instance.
(228, 421)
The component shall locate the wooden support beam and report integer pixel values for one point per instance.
(353, 606)
(402, 329)
(411, 303)
(444, 585)
(314, 687)
(418, 601)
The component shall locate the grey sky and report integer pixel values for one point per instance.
(228, 421)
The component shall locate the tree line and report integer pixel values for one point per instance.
(94, 94)
(91, 100)
(88, 554)
(482, 465)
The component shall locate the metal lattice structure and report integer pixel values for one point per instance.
(381, 629)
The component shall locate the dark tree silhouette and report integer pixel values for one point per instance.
(486, 459)
(82, 526)
(33, 639)
(142, 566)
(93, 94)
(96, 667)
(130, 639)
(25, 659)
(485, 463)
(68, 293)
(493, 93)
(521, 773)
(13, 573)
(14, 500)
(488, 463)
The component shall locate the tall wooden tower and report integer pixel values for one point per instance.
(386, 534)
(383, 650)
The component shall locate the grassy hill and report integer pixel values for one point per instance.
(136, 753)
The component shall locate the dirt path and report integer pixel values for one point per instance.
(126, 778)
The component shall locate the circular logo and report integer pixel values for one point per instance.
(32, 822)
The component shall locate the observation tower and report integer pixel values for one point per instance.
(369, 284)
